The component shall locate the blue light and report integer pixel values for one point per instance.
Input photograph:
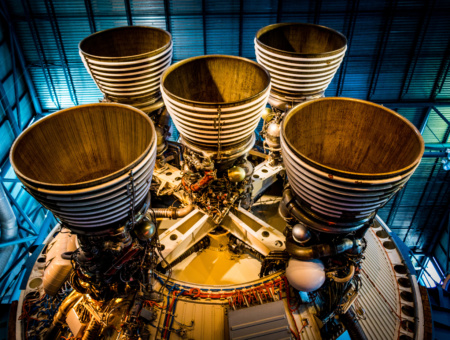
(430, 276)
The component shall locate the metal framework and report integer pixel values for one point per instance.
(241, 25)
(205, 47)
(350, 19)
(167, 15)
(18, 52)
(61, 51)
(31, 236)
(128, 12)
(388, 19)
(442, 74)
(27, 212)
(279, 10)
(442, 151)
(416, 48)
(41, 54)
(90, 14)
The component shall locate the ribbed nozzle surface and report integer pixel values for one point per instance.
(301, 58)
(83, 163)
(127, 62)
(345, 158)
(216, 99)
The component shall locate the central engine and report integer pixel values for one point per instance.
(216, 104)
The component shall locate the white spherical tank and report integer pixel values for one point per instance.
(305, 276)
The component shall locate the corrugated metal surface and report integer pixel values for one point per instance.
(266, 322)
(398, 51)
(380, 322)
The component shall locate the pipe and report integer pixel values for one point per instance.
(332, 276)
(60, 317)
(201, 183)
(9, 229)
(172, 212)
(353, 326)
(93, 330)
(317, 251)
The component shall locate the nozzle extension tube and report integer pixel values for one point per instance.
(172, 213)
(317, 251)
(348, 277)
(353, 326)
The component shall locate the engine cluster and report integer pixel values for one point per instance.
(118, 271)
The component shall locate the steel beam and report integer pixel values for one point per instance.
(395, 205)
(60, 47)
(7, 75)
(18, 241)
(448, 246)
(422, 196)
(41, 54)
(434, 154)
(425, 119)
(90, 15)
(350, 21)
(441, 115)
(436, 163)
(388, 19)
(444, 221)
(241, 25)
(405, 103)
(34, 249)
(15, 80)
(16, 262)
(28, 231)
(442, 74)
(317, 11)
(8, 110)
(279, 10)
(430, 211)
(167, 15)
(205, 48)
(19, 209)
(416, 48)
(437, 146)
(21, 58)
(128, 12)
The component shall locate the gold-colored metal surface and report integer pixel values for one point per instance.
(352, 136)
(236, 174)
